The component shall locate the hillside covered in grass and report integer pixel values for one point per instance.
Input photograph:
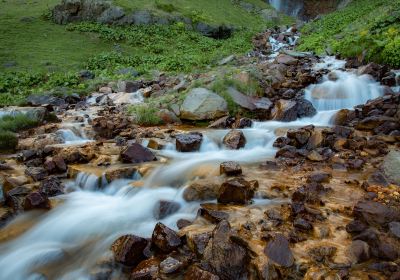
(369, 30)
(37, 55)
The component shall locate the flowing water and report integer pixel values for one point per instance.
(66, 242)
(289, 7)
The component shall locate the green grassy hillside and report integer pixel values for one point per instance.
(37, 55)
(368, 29)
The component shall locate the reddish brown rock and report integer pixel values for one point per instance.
(136, 153)
(234, 140)
(146, 270)
(36, 200)
(165, 238)
(236, 190)
(230, 168)
(128, 249)
(194, 272)
(189, 142)
(278, 251)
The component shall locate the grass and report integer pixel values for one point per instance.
(145, 114)
(11, 124)
(38, 56)
(366, 29)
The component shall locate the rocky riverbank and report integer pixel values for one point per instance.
(300, 183)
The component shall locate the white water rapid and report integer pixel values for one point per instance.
(67, 241)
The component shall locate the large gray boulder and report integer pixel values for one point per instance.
(391, 167)
(79, 10)
(38, 113)
(203, 104)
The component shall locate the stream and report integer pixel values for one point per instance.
(68, 241)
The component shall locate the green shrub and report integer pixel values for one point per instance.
(166, 7)
(8, 140)
(17, 122)
(145, 114)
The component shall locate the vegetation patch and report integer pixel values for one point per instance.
(8, 141)
(145, 114)
(365, 29)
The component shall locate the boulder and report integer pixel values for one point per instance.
(128, 249)
(170, 265)
(230, 168)
(38, 113)
(290, 110)
(391, 167)
(286, 59)
(189, 142)
(234, 140)
(43, 100)
(211, 212)
(394, 228)
(36, 200)
(224, 257)
(249, 102)
(359, 251)
(147, 269)
(203, 104)
(36, 173)
(136, 153)
(319, 177)
(279, 252)
(201, 190)
(375, 213)
(224, 122)
(197, 242)
(51, 186)
(165, 239)
(168, 117)
(195, 272)
(236, 190)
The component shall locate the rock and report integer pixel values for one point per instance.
(37, 113)
(236, 190)
(136, 153)
(203, 104)
(375, 213)
(197, 242)
(373, 122)
(211, 213)
(194, 272)
(111, 15)
(13, 182)
(322, 253)
(170, 265)
(227, 60)
(279, 252)
(244, 123)
(302, 224)
(286, 59)
(224, 122)
(230, 168)
(51, 186)
(319, 177)
(234, 140)
(55, 164)
(394, 228)
(165, 238)
(42, 100)
(105, 90)
(391, 167)
(36, 200)
(220, 248)
(355, 227)
(188, 142)
(202, 189)
(249, 102)
(315, 156)
(168, 117)
(359, 250)
(182, 223)
(36, 173)
(164, 208)
(216, 32)
(128, 249)
(147, 269)
(290, 110)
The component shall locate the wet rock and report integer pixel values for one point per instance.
(36, 200)
(136, 153)
(236, 190)
(244, 122)
(43, 100)
(170, 265)
(146, 270)
(203, 104)
(279, 252)
(182, 223)
(322, 253)
(230, 168)
(15, 197)
(319, 177)
(375, 213)
(197, 242)
(36, 173)
(194, 272)
(168, 117)
(274, 214)
(165, 238)
(286, 59)
(234, 140)
(355, 226)
(284, 110)
(38, 113)
(13, 182)
(128, 249)
(386, 249)
(220, 248)
(302, 224)
(200, 190)
(55, 164)
(394, 228)
(359, 251)
(269, 165)
(164, 208)
(315, 156)
(188, 142)
(51, 186)
(211, 213)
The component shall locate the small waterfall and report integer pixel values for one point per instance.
(342, 90)
(289, 7)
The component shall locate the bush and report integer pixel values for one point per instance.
(145, 114)
(8, 141)
(17, 123)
